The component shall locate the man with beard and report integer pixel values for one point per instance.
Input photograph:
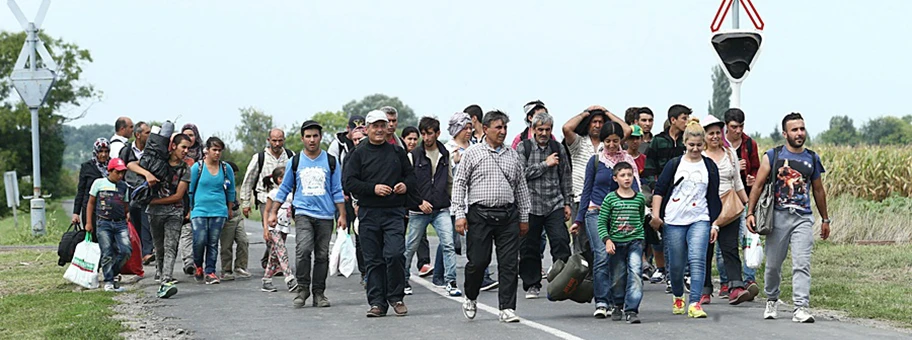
(793, 220)
(497, 213)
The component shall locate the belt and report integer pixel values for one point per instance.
(110, 220)
(504, 207)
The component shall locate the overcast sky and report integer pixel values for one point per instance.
(203, 60)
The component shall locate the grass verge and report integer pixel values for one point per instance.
(37, 303)
(866, 281)
(58, 220)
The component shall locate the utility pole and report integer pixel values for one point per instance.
(735, 86)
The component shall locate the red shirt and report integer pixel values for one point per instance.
(641, 163)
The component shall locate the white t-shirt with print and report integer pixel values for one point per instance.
(687, 204)
(283, 219)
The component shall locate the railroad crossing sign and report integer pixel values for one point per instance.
(33, 83)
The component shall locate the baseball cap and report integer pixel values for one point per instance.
(116, 164)
(375, 116)
(711, 120)
(355, 121)
(636, 131)
(311, 124)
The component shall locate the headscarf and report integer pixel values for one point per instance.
(196, 150)
(583, 128)
(458, 123)
(101, 143)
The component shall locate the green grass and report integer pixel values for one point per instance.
(869, 282)
(58, 220)
(37, 303)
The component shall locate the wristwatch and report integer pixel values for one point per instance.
(826, 220)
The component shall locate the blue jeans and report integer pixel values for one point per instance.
(601, 276)
(417, 229)
(626, 268)
(206, 233)
(687, 242)
(114, 241)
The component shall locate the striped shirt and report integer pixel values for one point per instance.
(581, 150)
(621, 218)
(551, 187)
(492, 178)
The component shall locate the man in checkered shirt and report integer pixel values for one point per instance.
(547, 173)
(491, 181)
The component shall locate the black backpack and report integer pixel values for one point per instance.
(294, 170)
(67, 247)
(199, 174)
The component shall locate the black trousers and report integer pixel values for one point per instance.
(731, 258)
(382, 237)
(530, 261)
(483, 234)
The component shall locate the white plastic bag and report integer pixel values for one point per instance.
(753, 252)
(336, 252)
(347, 258)
(83, 269)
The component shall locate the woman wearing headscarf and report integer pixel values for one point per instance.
(196, 149)
(93, 169)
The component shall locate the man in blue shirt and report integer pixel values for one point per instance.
(315, 182)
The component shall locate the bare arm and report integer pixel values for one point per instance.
(176, 197)
(570, 126)
(90, 213)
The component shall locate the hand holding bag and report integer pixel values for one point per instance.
(83, 269)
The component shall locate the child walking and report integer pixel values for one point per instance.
(620, 227)
(275, 236)
(109, 210)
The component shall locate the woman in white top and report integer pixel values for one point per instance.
(275, 236)
(729, 184)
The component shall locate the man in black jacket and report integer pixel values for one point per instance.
(379, 174)
(434, 181)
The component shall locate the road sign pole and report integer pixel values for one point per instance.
(735, 7)
(37, 203)
(736, 95)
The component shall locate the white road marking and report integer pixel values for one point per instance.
(496, 312)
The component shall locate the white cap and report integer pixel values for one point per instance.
(375, 116)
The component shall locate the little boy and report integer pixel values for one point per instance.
(620, 225)
(108, 201)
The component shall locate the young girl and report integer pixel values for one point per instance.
(275, 236)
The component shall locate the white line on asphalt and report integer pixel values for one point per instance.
(494, 311)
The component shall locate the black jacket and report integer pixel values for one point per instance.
(369, 165)
(88, 173)
(434, 189)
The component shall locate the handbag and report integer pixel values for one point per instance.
(84, 268)
(732, 207)
(764, 211)
(67, 246)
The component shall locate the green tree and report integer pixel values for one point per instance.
(253, 130)
(776, 135)
(841, 132)
(375, 101)
(887, 130)
(69, 94)
(721, 98)
(79, 142)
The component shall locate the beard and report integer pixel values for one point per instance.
(795, 142)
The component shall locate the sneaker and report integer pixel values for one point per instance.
(212, 279)
(657, 277)
(269, 287)
(425, 270)
(618, 313)
(242, 273)
(166, 290)
(648, 272)
(227, 277)
(705, 299)
(802, 315)
(109, 287)
(400, 309)
(376, 312)
(667, 287)
(291, 283)
(198, 274)
(601, 312)
(320, 300)
(696, 311)
(303, 294)
(533, 292)
(189, 270)
(408, 290)
(508, 315)
(723, 291)
(771, 312)
(678, 307)
(170, 281)
(632, 318)
(488, 284)
(469, 308)
(738, 295)
(452, 290)
(754, 289)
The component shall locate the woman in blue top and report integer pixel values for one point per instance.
(686, 200)
(598, 183)
(212, 195)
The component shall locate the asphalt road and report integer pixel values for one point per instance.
(239, 309)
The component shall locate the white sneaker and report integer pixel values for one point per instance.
(601, 312)
(452, 290)
(469, 308)
(657, 277)
(533, 293)
(109, 287)
(408, 290)
(508, 315)
(803, 315)
(771, 312)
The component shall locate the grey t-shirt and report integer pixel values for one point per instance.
(179, 173)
